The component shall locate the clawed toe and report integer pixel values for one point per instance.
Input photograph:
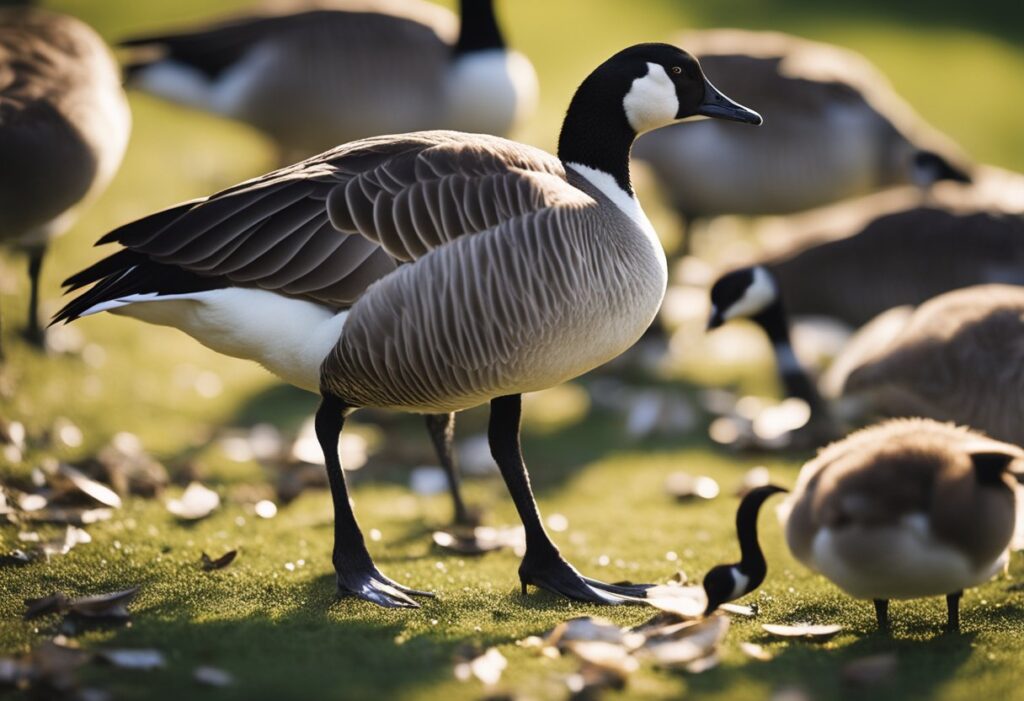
(558, 576)
(374, 587)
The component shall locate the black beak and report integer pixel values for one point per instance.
(717, 105)
(715, 320)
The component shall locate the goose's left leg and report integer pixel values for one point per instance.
(542, 565)
(953, 611)
(34, 332)
(357, 575)
(442, 433)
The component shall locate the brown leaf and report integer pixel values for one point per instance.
(88, 486)
(112, 605)
(690, 643)
(806, 631)
(62, 546)
(613, 657)
(54, 603)
(584, 628)
(739, 610)
(221, 562)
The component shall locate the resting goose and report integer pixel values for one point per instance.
(906, 509)
(725, 583)
(64, 124)
(954, 358)
(427, 272)
(317, 74)
(837, 130)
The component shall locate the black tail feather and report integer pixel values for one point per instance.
(128, 273)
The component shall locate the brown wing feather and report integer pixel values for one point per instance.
(327, 228)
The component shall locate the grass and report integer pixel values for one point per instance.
(280, 631)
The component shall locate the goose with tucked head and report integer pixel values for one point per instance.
(428, 272)
(906, 509)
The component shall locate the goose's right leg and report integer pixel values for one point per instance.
(357, 575)
(543, 565)
(442, 433)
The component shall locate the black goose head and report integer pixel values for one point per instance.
(724, 583)
(638, 89)
(744, 293)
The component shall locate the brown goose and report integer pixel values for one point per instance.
(906, 509)
(427, 272)
(64, 124)
(836, 129)
(908, 250)
(316, 74)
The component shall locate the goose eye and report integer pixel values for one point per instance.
(677, 70)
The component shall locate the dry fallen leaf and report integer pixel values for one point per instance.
(88, 486)
(755, 651)
(870, 670)
(221, 562)
(482, 539)
(486, 667)
(126, 658)
(584, 628)
(213, 676)
(683, 485)
(195, 503)
(682, 601)
(806, 631)
(689, 643)
(112, 605)
(739, 609)
(611, 656)
(45, 604)
(590, 680)
(62, 546)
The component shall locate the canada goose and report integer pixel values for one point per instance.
(725, 583)
(64, 125)
(836, 130)
(905, 509)
(852, 263)
(318, 74)
(427, 272)
(953, 358)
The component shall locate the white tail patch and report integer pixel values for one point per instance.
(289, 337)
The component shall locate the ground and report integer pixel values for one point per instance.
(279, 630)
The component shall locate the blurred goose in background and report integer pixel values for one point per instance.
(427, 272)
(909, 251)
(957, 357)
(317, 74)
(906, 509)
(834, 129)
(64, 124)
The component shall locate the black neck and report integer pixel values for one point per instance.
(752, 563)
(794, 378)
(596, 133)
(478, 29)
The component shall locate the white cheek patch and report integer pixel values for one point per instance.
(757, 297)
(651, 101)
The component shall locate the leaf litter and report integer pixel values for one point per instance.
(208, 564)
